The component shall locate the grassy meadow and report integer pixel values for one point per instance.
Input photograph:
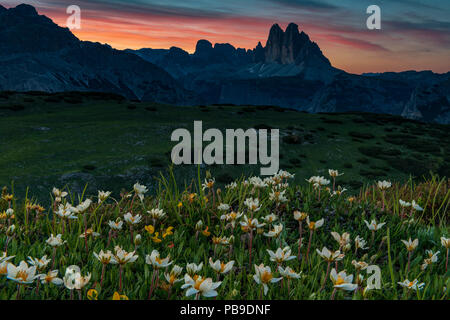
(99, 139)
(218, 232)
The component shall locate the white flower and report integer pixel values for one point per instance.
(445, 242)
(115, 225)
(156, 261)
(104, 257)
(330, 256)
(411, 245)
(39, 263)
(300, 216)
(251, 224)
(66, 211)
(275, 233)
(156, 213)
(288, 273)
(21, 274)
(360, 243)
(138, 240)
(74, 280)
(4, 257)
(257, 182)
(55, 241)
(209, 184)
(416, 206)
(198, 285)
(193, 269)
(82, 207)
(278, 196)
(412, 285)
(51, 277)
(383, 185)
(281, 255)
(231, 185)
(373, 226)
(223, 207)
(231, 217)
(432, 258)
(199, 225)
(404, 203)
(103, 195)
(339, 191)
(284, 175)
(221, 267)
(317, 181)
(176, 270)
(140, 190)
(120, 256)
(172, 277)
(314, 225)
(129, 218)
(334, 173)
(252, 204)
(9, 212)
(58, 194)
(360, 265)
(263, 275)
(89, 232)
(343, 239)
(270, 218)
(342, 281)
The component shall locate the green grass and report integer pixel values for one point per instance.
(74, 139)
(188, 244)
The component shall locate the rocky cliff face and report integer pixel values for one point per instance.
(36, 54)
(429, 103)
(292, 47)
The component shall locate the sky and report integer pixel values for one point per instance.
(414, 35)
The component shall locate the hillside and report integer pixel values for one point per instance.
(109, 142)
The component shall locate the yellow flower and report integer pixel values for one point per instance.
(8, 197)
(192, 197)
(118, 296)
(180, 204)
(150, 229)
(168, 232)
(156, 238)
(92, 294)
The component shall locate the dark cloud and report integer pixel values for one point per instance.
(171, 9)
(306, 4)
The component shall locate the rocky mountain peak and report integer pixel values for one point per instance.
(24, 10)
(203, 48)
(292, 47)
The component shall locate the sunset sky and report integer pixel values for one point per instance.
(415, 34)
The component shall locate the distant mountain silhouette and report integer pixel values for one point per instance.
(289, 71)
(36, 54)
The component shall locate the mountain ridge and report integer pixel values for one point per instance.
(36, 54)
(289, 71)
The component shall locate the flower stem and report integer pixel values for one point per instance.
(326, 276)
(103, 274)
(333, 294)
(120, 278)
(309, 244)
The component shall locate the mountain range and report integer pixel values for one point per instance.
(289, 71)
